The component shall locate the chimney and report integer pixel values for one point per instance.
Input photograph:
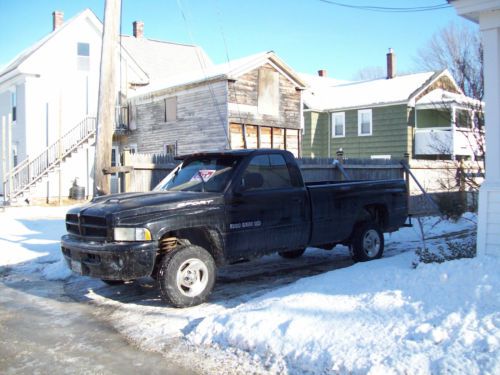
(138, 27)
(391, 64)
(57, 19)
(322, 73)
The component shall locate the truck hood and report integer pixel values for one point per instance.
(125, 205)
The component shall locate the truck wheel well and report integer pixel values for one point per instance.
(376, 213)
(208, 239)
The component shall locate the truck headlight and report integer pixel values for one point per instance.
(131, 234)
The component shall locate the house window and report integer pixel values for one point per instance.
(268, 102)
(13, 103)
(338, 125)
(365, 122)
(170, 149)
(171, 109)
(83, 56)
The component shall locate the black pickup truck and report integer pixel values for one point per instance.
(223, 207)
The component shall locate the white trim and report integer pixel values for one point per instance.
(360, 113)
(357, 107)
(332, 122)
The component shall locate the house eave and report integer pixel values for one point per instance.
(176, 88)
(364, 106)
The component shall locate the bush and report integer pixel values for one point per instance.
(452, 205)
(452, 250)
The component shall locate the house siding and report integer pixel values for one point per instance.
(392, 134)
(389, 134)
(243, 99)
(316, 133)
(201, 123)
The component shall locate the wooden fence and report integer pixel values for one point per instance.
(142, 172)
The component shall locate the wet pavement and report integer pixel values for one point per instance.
(44, 332)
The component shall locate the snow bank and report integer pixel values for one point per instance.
(33, 234)
(378, 317)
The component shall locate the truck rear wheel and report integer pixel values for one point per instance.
(367, 242)
(186, 276)
(292, 254)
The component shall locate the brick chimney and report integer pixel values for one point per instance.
(138, 27)
(57, 19)
(391, 64)
(322, 73)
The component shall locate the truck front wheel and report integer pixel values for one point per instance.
(367, 242)
(186, 276)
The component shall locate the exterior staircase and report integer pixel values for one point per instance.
(31, 171)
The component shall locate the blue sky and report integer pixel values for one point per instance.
(308, 34)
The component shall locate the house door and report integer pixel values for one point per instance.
(115, 162)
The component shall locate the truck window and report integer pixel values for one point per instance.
(210, 174)
(273, 169)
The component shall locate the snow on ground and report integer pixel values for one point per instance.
(379, 317)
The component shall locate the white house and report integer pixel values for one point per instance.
(48, 101)
(49, 88)
(487, 14)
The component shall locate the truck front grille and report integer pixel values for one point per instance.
(87, 226)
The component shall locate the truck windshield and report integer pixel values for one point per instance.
(209, 174)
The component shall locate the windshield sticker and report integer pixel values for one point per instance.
(206, 174)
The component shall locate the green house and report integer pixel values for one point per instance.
(424, 115)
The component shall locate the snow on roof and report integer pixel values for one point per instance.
(163, 60)
(229, 70)
(440, 96)
(366, 93)
(25, 54)
(316, 81)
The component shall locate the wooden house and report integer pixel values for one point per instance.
(253, 102)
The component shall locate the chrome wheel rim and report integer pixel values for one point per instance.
(192, 277)
(371, 243)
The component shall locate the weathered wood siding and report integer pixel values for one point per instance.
(201, 119)
(244, 97)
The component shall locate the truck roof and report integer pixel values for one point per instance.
(239, 152)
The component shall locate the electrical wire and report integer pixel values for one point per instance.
(372, 8)
(203, 68)
(233, 86)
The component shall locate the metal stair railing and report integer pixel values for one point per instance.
(30, 171)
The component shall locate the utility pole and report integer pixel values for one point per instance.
(107, 96)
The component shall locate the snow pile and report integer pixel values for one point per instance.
(33, 234)
(379, 317)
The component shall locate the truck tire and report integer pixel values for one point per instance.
(367, 242)
(186, 276)
(292, 254)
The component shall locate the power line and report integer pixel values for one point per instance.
(381, 9)
(203, 69)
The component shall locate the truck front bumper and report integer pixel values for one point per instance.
(109, 260)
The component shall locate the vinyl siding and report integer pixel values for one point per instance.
(315, 138)
(392, 134)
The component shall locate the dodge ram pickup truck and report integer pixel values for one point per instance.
(217, 208)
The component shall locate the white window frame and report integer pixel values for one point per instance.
(360, 116)
(342, 116)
